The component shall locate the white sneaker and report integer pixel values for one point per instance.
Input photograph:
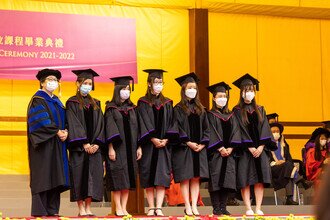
(259, 212)
(249, 212)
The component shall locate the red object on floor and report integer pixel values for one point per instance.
(174, 196)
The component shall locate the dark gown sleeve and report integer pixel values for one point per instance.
(235, 137)
(76, 128)
(216, 140)
(111, 130)
(179, 118)
(41, 126)
(99, 127)
(205, 138)
(146, 127)
(265, 134)
(172, 131)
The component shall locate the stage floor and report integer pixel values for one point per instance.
(206, 217)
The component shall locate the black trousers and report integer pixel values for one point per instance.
(289, 188)
(46, 203)
(219, 199)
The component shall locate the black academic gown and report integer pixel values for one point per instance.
(47, 153)
(252, 170)
(121, 128)
(155, 120)
(224, 132)
(187, 163)
(85, 126)
(282, 173)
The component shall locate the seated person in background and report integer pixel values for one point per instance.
(274, 117)
(311, 142)
(318, 156)
(284, 173)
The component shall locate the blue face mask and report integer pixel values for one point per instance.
(85, 89)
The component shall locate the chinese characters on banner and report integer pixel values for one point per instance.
(30, 41)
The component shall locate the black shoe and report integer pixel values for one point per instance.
(195, 214)
(54, 215)
(289, 201)
(185, 212)
(217, 211)
(224, 211)
(232, 202)
(151, 209)
(82, 215)
(306, 184)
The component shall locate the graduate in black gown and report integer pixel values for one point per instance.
(253, 163)
(86, 138)
(156, 131)
(121, 129)
(190, 165)
(46, 134)
(225, 136)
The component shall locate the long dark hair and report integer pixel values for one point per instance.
(318, 153)
(242, 105)
(150, 97)
(198, 107)
(116, 96)
(214, 105)
(80, 97)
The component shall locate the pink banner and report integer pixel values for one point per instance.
(30, 41)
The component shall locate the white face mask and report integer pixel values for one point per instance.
(323, 142)
(191, 93)
(51, 86)
(158, 88)
(248, 96)
(221, 102)
(276, 136)
(124, 94)
(85, 89)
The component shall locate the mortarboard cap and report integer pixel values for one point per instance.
(123, 81)
(86, 74)
(219, 87)
(319, 131)
(245, 80)
(42, 74)
(190, 77)
(272, 116)
(156, 73)
(279, 125)
(326, 124)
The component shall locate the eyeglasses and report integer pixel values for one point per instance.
(52, 79)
